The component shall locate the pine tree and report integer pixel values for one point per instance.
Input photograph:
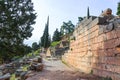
(35, 46)
(67, 27)
(56, 36)
(16, 18)
(118, 9)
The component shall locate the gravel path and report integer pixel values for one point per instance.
(56, 70)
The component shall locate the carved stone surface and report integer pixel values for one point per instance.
(116, 23)
(107, 14)
(110, 27)
(100, 20)
(101, 29)
(113, 24)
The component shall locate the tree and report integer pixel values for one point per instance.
(35, 46)
(67, 27)
(118, 9)
(88, 13)
(80, 19)
(16, 18)
(45, 39)
(56, 36)
(28, 49)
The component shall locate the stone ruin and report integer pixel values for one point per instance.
(16, 68)
(96, 46)
(107, 14)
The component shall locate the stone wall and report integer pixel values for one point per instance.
(94, 48)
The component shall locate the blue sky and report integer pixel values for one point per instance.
(64, 10)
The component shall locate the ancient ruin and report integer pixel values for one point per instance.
(95, 48)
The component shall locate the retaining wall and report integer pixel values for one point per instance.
(94, 48)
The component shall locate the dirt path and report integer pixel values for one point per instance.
(56, 70)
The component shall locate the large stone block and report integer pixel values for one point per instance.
(109, 44)
(118, 33)
(100, 20)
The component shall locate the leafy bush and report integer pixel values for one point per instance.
(16, 58)
(12, 77)
(53, 44)
(37, 52)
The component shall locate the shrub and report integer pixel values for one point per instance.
(53, 44)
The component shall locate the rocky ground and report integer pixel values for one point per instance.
(56, 70)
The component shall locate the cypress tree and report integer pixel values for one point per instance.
(88, 13)
(45, 39)
(118, 9)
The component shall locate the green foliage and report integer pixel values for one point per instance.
(27, 49)
(25, 67)
(67, 28)
(118, 9)
(80, 19)
(53, 44)
(16, 58)
(12, 77)
(16, 18)
(34, 53)
(35, 46)
(88, 13)
(37, 52)
(45, 39)
(56, 36)
(29, 55)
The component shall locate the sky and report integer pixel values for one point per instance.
(60, 11)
